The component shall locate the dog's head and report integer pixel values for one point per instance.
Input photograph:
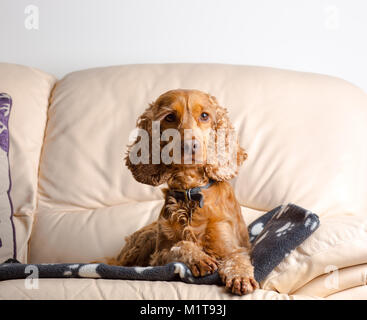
(184, 128)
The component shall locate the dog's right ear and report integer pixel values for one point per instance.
(139, 154)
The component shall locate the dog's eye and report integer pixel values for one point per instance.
(204, 116)
(170, 117)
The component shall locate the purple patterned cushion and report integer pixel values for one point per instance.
(7, 231)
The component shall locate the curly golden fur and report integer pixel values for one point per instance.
(216, 237)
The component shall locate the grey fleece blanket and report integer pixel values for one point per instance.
(274, 235)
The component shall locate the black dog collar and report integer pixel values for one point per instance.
(193, 194)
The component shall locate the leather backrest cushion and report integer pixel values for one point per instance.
(303, 134)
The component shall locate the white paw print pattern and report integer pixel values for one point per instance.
(71, 267)
(89, 271)
(255, 230)
(308, 222)
(183, 271)
(285, 229)
(141, 269)
(180, 269)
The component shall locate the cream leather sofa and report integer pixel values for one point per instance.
(74, 200)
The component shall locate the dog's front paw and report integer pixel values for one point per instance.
(202, 265)
(240, 284)
(238, 275)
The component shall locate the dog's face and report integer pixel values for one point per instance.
(191, 126)
(193, 114)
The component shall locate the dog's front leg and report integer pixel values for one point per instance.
(237, 272)
(235, 268)
(188, 253)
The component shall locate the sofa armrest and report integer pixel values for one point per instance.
(340, 242)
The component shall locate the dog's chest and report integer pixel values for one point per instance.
(199, 229)
(186, 221)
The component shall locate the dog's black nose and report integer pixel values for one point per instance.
(191, 146)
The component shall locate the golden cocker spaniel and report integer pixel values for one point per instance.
(200, 223)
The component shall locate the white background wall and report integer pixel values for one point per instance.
(324, 36)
